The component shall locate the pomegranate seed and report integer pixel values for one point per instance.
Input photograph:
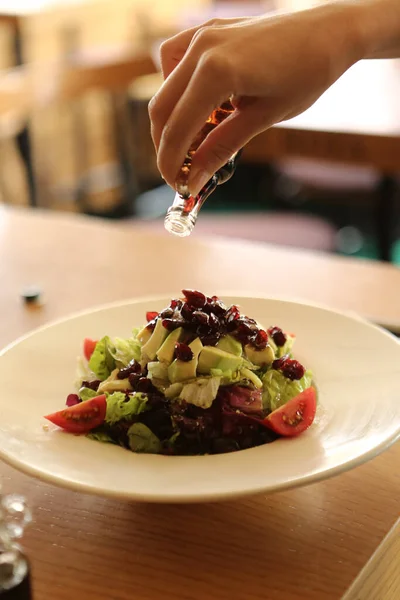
(92, 385)
(200, 317)
(133, 367)
(171, 324)
(279, 362)
(231, 326)
(207, 308)
(203, 330)
(210, 340)
(232, 313)
(292, 369)
(214, 322)
(245, 326)
(278, 336)
(186, 312)
(261, 340)
(144, 385)
(194, 298)
(176, 304)
(243, 338)
(150, 316)
(133, 380)
(151, 326)
(251, 321)
(72, 399)
(218, 308)
(183, 352)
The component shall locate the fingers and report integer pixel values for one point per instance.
(179, 57)
(173, 50)
(207, 89)
(165, 100)
(227, 139)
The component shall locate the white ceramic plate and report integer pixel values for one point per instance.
(357, 372)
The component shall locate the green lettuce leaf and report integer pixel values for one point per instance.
(287, 347)
(158, 373)
(242, 377)
(83, 372)
(100, 436)
(278, 389)
(202, 392)
(158, 370)
(125, 350)
(102, 362)
(86, 393)
(174, 437)
(251, 377)
(226, 377)
(173, 391)
(142, 439)
(119, 408)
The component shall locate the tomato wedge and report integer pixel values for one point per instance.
(82, 417)
(88, 347)
(295, 416)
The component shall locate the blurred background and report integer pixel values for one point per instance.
(77, 75)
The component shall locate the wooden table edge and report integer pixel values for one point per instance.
(379, 579)
(375, 150)
(392, 325)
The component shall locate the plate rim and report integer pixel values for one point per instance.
(189, 498)
(155, 297)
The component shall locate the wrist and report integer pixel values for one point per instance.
(377, 24)
(343, 34)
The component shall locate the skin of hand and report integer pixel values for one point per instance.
(273, 68)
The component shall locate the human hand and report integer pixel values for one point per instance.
(273, 67)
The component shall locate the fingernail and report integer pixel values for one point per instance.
(197, 180)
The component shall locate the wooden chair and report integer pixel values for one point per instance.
(65, 87)
(14, 110)
(29, 92)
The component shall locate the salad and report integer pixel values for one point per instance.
(198, 378)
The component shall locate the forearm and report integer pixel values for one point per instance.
(378, 27)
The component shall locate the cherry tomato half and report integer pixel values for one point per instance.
(82, 417)
(295, 416)
(88, 347)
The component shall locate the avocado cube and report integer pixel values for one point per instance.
(214, 358)
(144, 335)
(260, 358)
(156, 340)
(165, 353)
(180, 370)
(229, 344)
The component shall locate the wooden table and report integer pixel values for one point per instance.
(305, 544)
(356, 121)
